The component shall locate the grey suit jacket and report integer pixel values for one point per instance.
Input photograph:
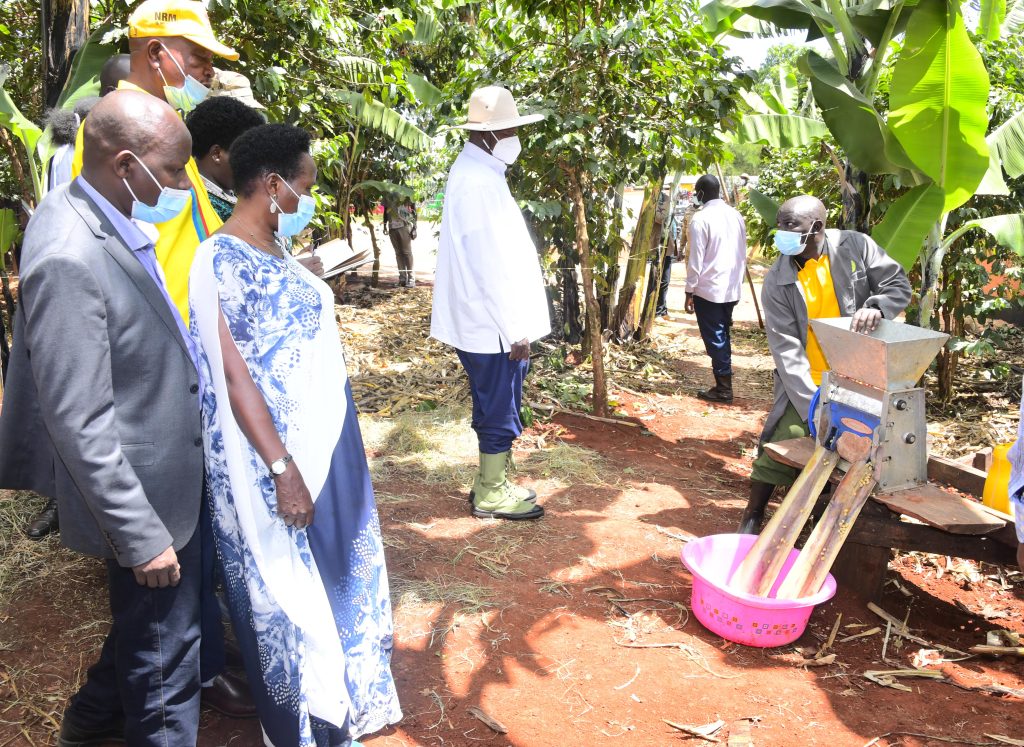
(101, 407)
(862, 275)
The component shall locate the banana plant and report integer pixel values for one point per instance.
(82, 81)
(931, 140)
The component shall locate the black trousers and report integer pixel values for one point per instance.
(662, 285)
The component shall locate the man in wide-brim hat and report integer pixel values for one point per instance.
(489, 300)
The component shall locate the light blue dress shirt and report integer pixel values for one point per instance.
(144, 250)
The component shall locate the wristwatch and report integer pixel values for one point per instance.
(278, 466)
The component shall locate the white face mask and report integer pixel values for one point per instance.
(507, 149)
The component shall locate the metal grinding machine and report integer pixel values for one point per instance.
(868, 412)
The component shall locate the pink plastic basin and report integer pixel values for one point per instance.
(734, 615)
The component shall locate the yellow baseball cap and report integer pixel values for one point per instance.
(185, 18)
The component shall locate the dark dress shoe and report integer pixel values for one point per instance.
(46, 521)
(74, 736)
(229, 695)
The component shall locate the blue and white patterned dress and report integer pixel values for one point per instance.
(310, 607)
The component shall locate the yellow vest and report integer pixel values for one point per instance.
(820, 295)
(180, 236)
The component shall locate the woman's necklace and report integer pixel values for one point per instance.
(272, 247)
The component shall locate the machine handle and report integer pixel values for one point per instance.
(810, 414)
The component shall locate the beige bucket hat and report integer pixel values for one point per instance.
(493, 108)
(233, 85)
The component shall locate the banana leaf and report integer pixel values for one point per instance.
(1008, 230)
(23, 129)
(375, 115)
(84, 78)
(765, 206)
(779, 130)
(990, 19)
(428, 94)
(1014, 21)
(906, 223)
(854, 122)
(938, 98)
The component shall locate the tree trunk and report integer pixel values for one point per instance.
(627, 313)
(600, 402)
(856, 189)
(931, 267)
(951, 317)
(572, 326)
(65, 30)
(6, 323)
(17, 167)
(646, 324)
(375, 276)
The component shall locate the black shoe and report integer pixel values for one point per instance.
(753, 514)
(46, 521)
(74, 736)
(720, 392)
(229, 695)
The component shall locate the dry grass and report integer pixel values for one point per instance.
(567, 464)
(28, 563)
(432, 448)
(415, 598)
(33, 693)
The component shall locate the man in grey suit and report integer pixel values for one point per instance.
(101, 411)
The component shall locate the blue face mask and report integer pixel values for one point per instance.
(789, 243)
(291, 224)
(187, 97)
(169, 204)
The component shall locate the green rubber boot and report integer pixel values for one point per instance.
(521, 493)
(494, 497)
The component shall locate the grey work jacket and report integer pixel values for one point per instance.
(862, 275)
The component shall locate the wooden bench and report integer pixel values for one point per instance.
(941, 521)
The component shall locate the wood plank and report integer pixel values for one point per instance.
(983, 459)
(928, 503)
(871, 531)
(962, 477)
(793, 452)
(860, 570)
(941, 509)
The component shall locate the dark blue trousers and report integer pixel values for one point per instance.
(715, 323)
(148, 670)
(211, 650)
(496, 384)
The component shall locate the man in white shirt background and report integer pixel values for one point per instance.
(489, 298)
(714, 277)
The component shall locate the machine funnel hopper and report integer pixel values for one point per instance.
(892, 357)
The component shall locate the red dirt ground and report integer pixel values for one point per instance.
(551, 658)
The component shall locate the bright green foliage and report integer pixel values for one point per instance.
(1007, 230)
(780, 130)
(937, 98)
(854, 121)
(990, 20)
(908, 220)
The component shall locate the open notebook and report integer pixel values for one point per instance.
(338, 257)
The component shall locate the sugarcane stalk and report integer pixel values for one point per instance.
(820, 551)
(998, 650)
(762, 565)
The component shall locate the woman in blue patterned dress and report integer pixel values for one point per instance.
(292, 505)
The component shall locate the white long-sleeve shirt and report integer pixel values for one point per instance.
(717, 253)
(488, 288)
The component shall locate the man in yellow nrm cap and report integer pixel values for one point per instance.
(172, 46)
